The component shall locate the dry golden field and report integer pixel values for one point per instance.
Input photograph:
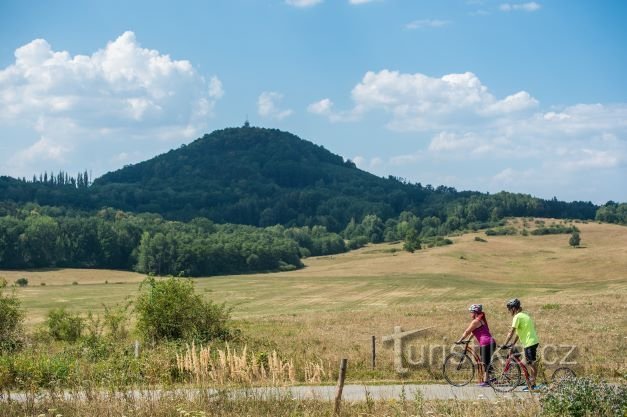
(331, 308)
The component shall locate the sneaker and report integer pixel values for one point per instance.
(533, 388)
(483, 384)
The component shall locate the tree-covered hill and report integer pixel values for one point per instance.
(264, 177)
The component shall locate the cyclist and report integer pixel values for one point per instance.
(525, 330)
(487, 345)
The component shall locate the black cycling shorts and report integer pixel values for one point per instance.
(531, 353)
(486, 353)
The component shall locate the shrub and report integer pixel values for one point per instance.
(22, 282)
(170, 309)
(11, 318)
(501, 231)
(115, 320)
(554, 229)
(574, 240)
(579, 397)
(357, 242)
(479, 239)
(65, 326)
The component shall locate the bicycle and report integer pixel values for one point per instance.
(459, 368)
(507, 374)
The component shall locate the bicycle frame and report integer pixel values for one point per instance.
(471, 352)
(516, 358)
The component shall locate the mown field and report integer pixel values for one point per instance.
(331, 308)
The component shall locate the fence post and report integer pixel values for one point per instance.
(340, 386)
(374, 352)
(136, 349)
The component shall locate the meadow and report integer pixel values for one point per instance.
(332, 307)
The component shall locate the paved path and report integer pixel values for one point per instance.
(327, 392)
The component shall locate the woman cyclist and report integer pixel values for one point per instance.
(487, 345)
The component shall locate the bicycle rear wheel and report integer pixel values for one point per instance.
(505, 375)
(458, 369)
(562, 373)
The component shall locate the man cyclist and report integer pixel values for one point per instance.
(525, 330)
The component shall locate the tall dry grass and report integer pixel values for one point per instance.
(204, 365)
(180, 405)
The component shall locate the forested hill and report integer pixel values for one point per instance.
(254, 176)
(265, 177)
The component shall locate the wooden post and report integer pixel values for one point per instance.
(136, 349)
(340, 386)
(374, 352)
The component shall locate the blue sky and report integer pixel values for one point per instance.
(524, 96)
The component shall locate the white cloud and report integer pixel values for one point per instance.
(449, 141)
(303, 3)
(120, 92)
(322, 107)
(525, 7)
(426, 23)
(267, 106)
(420, 102)
(508, 142)
(358, 2)
(365, 163)
(514, 103)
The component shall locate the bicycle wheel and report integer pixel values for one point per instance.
(458, 369)
(504, 375)
(562, 373)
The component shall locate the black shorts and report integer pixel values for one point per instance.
(486, 354)
(531, 353)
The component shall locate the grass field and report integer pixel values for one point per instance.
(330, 309)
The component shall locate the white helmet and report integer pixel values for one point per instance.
(476, 308)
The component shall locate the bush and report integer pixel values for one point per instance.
(579, 397)
(22, 282)
(554, 229)
(501, 231)
(65, 326)
(170, 309)
(574, 240)
(357, 242)
(479, 239)
(11, 318)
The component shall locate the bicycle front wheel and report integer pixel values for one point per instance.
(562, 373)
(458, 369)
(504, 375)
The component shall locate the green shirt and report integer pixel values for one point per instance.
(525, 329)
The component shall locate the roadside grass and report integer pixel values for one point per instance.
(222, 405)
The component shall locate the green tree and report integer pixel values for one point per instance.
(412, 241)
(169, 309)
(39, 240)
(575, 239)
(11, 319)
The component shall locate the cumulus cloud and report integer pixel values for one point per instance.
(123, 91)
(368, 163)
(456, 119)
(322, 107)
(426, 23)
(303, 3)
(525, 7)
(267, 106)
(420, 102)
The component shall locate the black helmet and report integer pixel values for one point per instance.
(513, 303)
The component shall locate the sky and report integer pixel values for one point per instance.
(521, 96)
